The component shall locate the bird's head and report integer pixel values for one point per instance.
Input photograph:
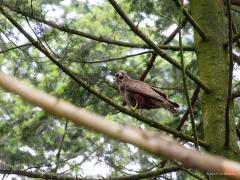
(121, 76)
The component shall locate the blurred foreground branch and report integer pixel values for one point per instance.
(153, 143)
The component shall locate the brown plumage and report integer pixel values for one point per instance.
(140, 95)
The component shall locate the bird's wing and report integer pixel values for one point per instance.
(159, 92)
(143, 88)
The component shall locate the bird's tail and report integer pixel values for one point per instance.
(170, 106)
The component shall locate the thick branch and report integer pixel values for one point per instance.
(154, 46)
(88, 87)
(153, 143)
(192, 22)
(89, 36)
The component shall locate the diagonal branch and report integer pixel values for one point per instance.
(60, 147)
(152, 142)
(236, 94)
(236, 58)
(234, 39)
(192, 21)
(88, 87)
(149, 66)
(185, 115)
(86, 35)
(154, 46)
(154, 55)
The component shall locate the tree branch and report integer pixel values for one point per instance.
(88, 87)
(229, 99)
(149, 66)
(236, 94)
(60, 147)
(185, 80)
(234, 39)
(113, 59)
(154, 173)
(153, 143)
(88, 36)
(234, 2)
(185, 115)
(236, 59)
(154, 46)
(192, 21)
(154, 54)
(16, 47)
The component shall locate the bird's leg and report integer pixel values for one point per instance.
(135, 107)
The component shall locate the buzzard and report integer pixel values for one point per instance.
(140, 95)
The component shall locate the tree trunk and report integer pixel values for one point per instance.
(213, 66)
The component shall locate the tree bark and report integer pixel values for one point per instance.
(213, 66)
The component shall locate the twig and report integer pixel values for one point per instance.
(227, 115)
(187, 171)
(16, 47)
(113, 59)
(185, 81)
(60, 147)
(234, 39)
(185, 115)
(149, 66)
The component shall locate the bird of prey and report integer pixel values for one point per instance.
(140, 95)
